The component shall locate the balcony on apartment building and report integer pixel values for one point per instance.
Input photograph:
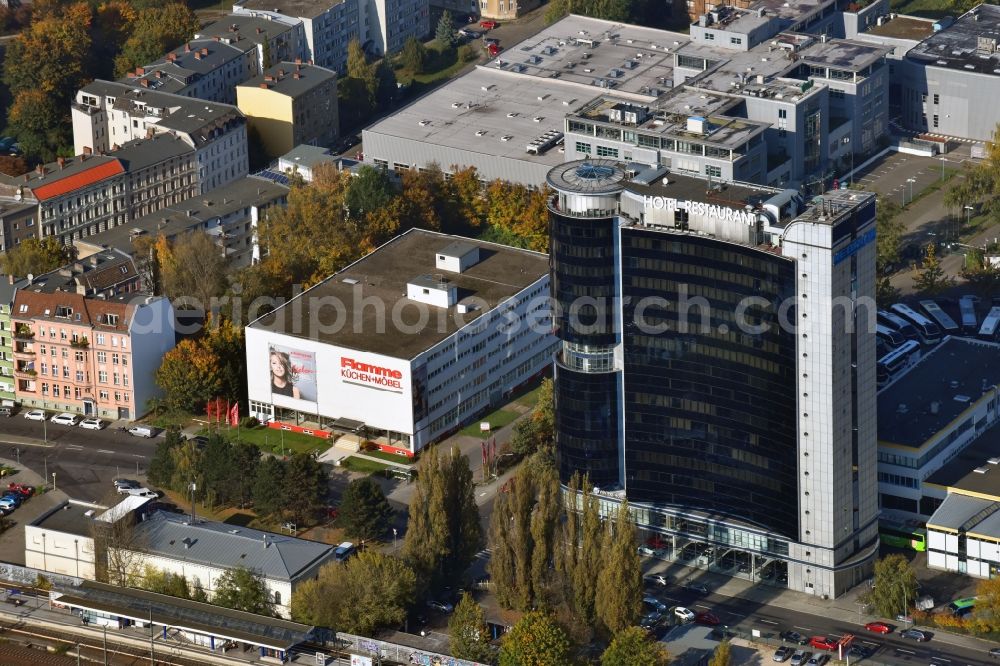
(23, 332)
(24, 350)
(24, 369)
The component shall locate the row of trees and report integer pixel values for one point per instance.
(366, 86)
(68, 44)
(227, 473)
(203, 368)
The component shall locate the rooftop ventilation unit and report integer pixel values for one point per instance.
(480, 132)
(544, 143)
(424, 123)
(506, 137)
(982, 470)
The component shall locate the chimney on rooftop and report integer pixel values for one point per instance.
(197, 56)
(87, 150)
(171, 57)
(298, 61)
(187, 48)
(159, 74)
(296, 75)
(218, 39)
(61, 161)
(144, 83)
(204, 51)
(259, 31)
(264, 86)
(281, 73)
(41, 170)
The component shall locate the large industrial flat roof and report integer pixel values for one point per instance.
(844, 54)
(969, 44)
(963, 512)
(971, 470)
(382, 276)
(904, 27)
(938, 390)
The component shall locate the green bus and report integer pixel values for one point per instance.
(962, 606)
(903, 536)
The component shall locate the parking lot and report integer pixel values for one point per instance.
(891, 176)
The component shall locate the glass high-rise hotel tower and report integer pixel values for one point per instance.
(717, 366)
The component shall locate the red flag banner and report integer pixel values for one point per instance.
(234, 415)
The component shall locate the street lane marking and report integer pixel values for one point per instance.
(104, 451)
(763, 621)
(803, 628)
(74, 447)
(138, 455)
(905, 651)
(702, 606)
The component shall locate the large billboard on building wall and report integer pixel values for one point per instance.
(335, 382)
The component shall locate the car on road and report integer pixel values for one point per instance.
(794, 637)
(658, 579)
(800, 658)
(7, 411)
(914, 634)
(121, 484)
(442, 606)
(684, 614)
(782, 654)
(140, 431)
(994, 653)
(92, 424)
(908, 619)
(696, 587)
(489, 25)
(64, 419)
(651, 619)
(35, 415)
(654, 604)
(344, 551)
(139, 492)
(706, 618)
(823, 643)
(817, 660)
(878, 628)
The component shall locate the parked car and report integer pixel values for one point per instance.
(441, 606)
(706, 618)
(13, 497)
(878, 627)
(92, 424)
(914, 634)
(493, 50)
(35, 415)
(794, 637)
(994, 653)
(489, 25)
(125, 484)
(800, 658)
(65, 419)
(684, 614)
(7, 504)
(138, 492)
(823, 643)
(654, 603)
(8, 410)
(646, 551)
(651, 619)
(658, 579)
(860, 652)
(656, 542)
(782, 654)
(817, 660)
(140, 431)
(469, 33)
(22, 489)
(6, 142)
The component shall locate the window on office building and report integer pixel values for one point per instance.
(936, 98)
(583, 148)
(935, 120)
(713, 171)
(736, 40)
(604, 151)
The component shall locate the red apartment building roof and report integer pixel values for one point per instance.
(33, 305)
(83, 178)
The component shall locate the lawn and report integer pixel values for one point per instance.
(529, 399)
(278, 441)
(391, 457)
(440, 66)
(934, 9)
(497, 420)
(364, 466)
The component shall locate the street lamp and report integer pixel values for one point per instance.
(943, 160)
(968, 214)
(911, 181)
(53, 481)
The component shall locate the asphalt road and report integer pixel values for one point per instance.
(85, 461)
(745, 616)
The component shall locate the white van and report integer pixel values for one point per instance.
(140, 431)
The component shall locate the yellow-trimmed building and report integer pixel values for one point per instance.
(290, 104)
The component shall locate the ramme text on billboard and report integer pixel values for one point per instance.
(373, 376)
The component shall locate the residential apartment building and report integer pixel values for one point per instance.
(107, 115)
(272, 37)
(501, 10)
(291, 104)
(229, 214)
(380, 26)
(159, 171)
(718, 428)
(303, 159)
(8, 287)
(17, 218)
(90, 356)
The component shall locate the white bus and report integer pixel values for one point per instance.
(897, 323)
(892, 363)
(991, 324)
(967, 304)
(946, 323)
(929, 332)
(889, 336)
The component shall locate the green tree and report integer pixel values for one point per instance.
(722, 655)
(156, 30)
(265, 53)
(365, 513)
(895, 586)
(190, 376)
(982, 276)
(244, 467)
(192, 267)
(387, 87)
(39, 125)
(225, 340)
(445, 34)
(34, 256)
(358, 90)
(889, 228)
(585, 574)
(988, 602)
(885, 293)
(536, 640)
(161, 465)
(470, 637)
(268, 488)
(619, 587)
(164, 582)
(634, 647)
(366, 593)
(932, 279)
(443, 533)
(187, 467)
(216, 472)
(414, 55)
(369, 190)
(305, 487)
(245, 590)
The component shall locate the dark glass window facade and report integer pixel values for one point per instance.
(710, 410)
(582, 259)
(586, 412)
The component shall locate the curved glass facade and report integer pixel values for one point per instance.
(586, 413)
(710, 402)
(582, 259)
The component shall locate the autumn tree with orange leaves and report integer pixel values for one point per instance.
(190, 375)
